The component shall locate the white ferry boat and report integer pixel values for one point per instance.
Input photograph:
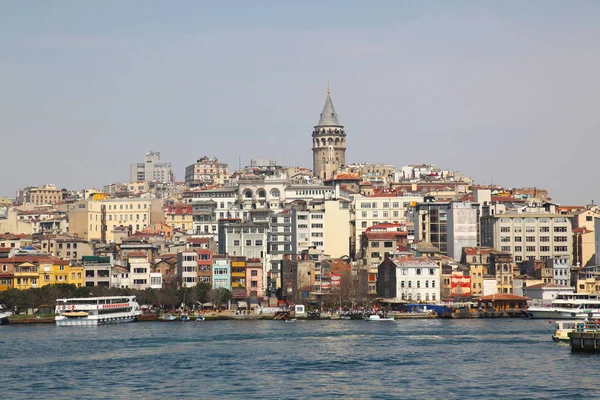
(568, 306)
(96, 310)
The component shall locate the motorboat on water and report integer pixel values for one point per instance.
(4, 315)
(376, 317)
(183, 317)
(568, 306)
(562, 330)
(168, 318)
(96, 310)
(199, 318)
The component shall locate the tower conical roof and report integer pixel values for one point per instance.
(328, 115)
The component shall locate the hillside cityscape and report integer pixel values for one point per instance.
(270, 235)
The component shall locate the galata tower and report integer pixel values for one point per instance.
(329, 142)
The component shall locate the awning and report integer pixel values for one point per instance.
(242, 304)
(207, 304)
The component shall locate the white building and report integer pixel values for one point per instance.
(139, 270)
(528, 235)
(187, 268)
(409, 279)
(463, 227)
(546, 292)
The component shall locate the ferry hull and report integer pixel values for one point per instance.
(548, 314)
(65, 321)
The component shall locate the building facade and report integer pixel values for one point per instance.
(528, 236)
(206, 171)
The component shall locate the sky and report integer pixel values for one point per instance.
(507, 92)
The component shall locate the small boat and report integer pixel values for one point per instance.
(562, 330)
(184, 317)
(376, 317)
(4, 315)
(168, 318)
(199, 318)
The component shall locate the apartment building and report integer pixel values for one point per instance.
(187, 268)
(382, 208)
(139, 270)
(97, 270)
(528, 235)
(96, 220)
(37, 196)
(206, 171)
(221, 272)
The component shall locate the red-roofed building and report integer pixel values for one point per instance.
(503, 304)
(179, 216)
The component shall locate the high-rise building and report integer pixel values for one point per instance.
(151, 170)
(329, 142)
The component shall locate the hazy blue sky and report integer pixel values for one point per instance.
(508, 91)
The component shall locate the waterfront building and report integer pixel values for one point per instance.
(529, 235)
(238, 278)
(478, 261)
(119, 277)
(139, 269)
(501, 263)
(206, 171)
(546, 292)
(205, 260)
(329, 142)
(221, 272)
(254, 280)
(409, 278)
(187, 268)
(97, 270)
(35, 271)
(151, 170)
(6, 280)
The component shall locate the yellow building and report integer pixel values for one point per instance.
(238, 272)
(179, 216)
(46, 271)
(59, 272)
(97, 219)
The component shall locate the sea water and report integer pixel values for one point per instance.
(412, 359)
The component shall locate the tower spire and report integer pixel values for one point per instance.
(328, 115)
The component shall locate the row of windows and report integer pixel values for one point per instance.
(257, 242)
(519, 249)
(385, 204)
(418, 284)
(127, 206)
(531, 239)
(418, 297)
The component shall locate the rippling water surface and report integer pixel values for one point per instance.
(450, 359)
